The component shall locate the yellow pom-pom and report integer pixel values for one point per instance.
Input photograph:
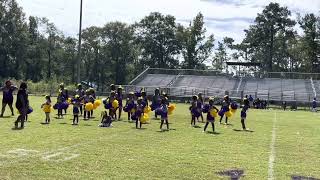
(97, 103)
(144, 118)
(233, 111)
(115, 104)
(95, 106)
(213, 113)
(46, 108)
(69, 101)
(171, 107)
(89, 106)
(228, 114)
(147, 109)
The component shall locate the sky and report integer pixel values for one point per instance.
(222, 17)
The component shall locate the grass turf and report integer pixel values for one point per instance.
(63, 151)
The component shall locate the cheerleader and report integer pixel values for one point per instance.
(210, 117)
(22, 104)
(76, 106)
(164, 113)
(119, 97)
(314, 105)
(139, 112)
(60, 101)
(47, 108)
(156, 101)
(86, 99)
(65, 95)
(199, 106)
(194, 110)
(129, 105)
(224, 108)
(80, 92)
(92, 98)
(7, 99)
(112, 110)
(144, 98)
(246, 105)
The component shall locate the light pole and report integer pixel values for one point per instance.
(79, 45)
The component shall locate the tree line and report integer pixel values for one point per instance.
(35, 49)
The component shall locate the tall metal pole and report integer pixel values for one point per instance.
(79, 45)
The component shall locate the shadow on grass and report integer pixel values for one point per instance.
(63, 123)
(6, 117)
(87, 125)
(44, 123)
(17, 129)
(139, 128)
(296, 177)
(214, 133)
(240, 130)
(196, 126)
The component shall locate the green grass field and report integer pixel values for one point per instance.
(63, 151)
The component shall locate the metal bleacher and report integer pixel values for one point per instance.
(184, 83)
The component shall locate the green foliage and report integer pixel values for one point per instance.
(196, 48)
(157, 36)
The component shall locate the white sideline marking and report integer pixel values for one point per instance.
(272, 149)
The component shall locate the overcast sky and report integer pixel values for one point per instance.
(222, 17)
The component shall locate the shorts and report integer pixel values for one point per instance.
(7, 101)
(243, 115)
(210, 119)
(75, 111)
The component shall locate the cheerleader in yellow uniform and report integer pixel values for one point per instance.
(47, 108)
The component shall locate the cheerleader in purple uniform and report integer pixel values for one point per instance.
(199, 106)
(129, 105)
(80, 92)
(210, 119)
(92, 98)
(194, 110)
(65, 95)
(76, 106)
(156, 101)
(164, 113)
(119, 98)
(224, 108)
(86, 99)
(112, 110)
(314, 105)
(144, 98)
(59, 105)
(7, 97)
(246, 105)
(22, 104)
(138, 112)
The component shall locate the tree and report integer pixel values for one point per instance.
(268, 37)
(310, 25)
(221, 56)
(118, 39)
(13, 39)
(196, 48)
(157, 36)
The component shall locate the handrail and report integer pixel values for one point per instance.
(141, 74)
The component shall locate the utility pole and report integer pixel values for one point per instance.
(79, 45)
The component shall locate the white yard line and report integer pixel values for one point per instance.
(272, 149)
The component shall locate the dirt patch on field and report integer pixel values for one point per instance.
(234, 174)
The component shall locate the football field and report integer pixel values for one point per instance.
(280, 145)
